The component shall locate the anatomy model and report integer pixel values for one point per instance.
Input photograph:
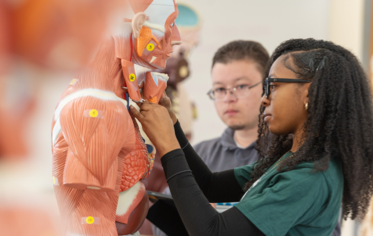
(55, 40)
(178, 69)
(99, 153)
(39, 39)
(189, 23)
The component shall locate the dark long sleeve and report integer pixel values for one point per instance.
(198, 216)
(218, 186)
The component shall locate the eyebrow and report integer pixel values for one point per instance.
(235, 80)
(217, 83)
(241, 78)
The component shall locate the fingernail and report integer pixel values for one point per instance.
(131, 107)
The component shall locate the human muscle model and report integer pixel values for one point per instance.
(98, 151)
(29, 50)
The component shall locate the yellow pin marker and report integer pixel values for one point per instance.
(90, 220)
(73, 82)
(183, 71)
(150, 47)
(93, 113)
(132, 77)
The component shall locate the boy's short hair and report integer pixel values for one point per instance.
(243, 50)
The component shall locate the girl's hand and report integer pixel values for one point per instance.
(156, 123)
(166, 102)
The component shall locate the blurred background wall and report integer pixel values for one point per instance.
(269, 22)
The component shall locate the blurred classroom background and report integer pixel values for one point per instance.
(29, 94)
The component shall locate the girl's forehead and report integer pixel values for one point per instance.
(278, 68)
(277, 64)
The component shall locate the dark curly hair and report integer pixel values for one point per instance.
(339, 123)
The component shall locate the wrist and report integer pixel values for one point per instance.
(165, 148)
(173, 117)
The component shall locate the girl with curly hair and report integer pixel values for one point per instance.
(315, 146)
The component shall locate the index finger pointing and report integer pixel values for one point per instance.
(146, 105)
(136, 113)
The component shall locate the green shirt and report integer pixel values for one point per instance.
(296, 202)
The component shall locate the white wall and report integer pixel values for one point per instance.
(346, 24)
(346, 28)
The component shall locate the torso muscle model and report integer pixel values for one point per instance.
(98, 151)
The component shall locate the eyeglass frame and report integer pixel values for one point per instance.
(267, 81)
(211, 91)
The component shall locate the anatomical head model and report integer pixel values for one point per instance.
(153, 33)
(99, 153)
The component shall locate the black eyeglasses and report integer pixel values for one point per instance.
(266, 85)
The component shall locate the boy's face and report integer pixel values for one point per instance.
(238, 113)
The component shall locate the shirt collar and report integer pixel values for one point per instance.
(227, 140)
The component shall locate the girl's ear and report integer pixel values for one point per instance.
(306, 92)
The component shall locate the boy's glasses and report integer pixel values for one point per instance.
(239, 91)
